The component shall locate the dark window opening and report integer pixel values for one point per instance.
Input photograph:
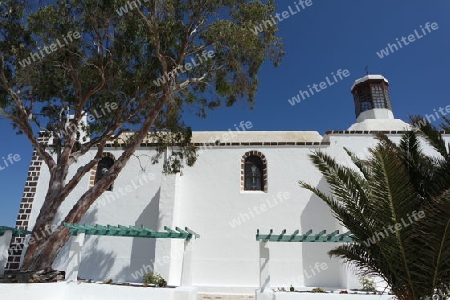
(253, 173)
(102, 168)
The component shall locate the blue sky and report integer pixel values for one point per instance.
(322, 38)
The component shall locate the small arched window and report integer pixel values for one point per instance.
(254, 172)
(102, 168)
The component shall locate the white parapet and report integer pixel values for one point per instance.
(185, 293)
(327, 296)
(266, 295)
(92, 291)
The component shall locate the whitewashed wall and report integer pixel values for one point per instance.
(207, 198)
(227, 253)
(110, 257)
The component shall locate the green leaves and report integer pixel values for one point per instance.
(118, 57)
(51, 82)
(396, 203)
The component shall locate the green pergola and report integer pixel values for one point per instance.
(130, 231)
(15, 231)
(308, 237)
(79, 231)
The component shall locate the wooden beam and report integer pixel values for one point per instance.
(293, 235)
(308, 236)
(130, 231)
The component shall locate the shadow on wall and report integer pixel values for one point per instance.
(317, 216)
(96, 264)
(143, 249)
(99, 264)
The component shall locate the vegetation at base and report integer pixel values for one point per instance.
(154, 278)
(368, 285)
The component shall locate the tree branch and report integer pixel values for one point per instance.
(22, 120)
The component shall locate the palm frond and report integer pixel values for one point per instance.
(379, 202)
(432, 135)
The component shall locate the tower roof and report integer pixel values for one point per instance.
(368, 77)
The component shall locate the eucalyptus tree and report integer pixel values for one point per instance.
(396, 203)
(105, 68)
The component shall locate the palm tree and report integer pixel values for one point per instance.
(396, 203)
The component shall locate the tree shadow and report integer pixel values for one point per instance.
(318, 267)
(142, 258)
(97, 264)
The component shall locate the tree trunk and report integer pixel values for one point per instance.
(42, 229)
(44, 255)
(44, 251)
(41, 255)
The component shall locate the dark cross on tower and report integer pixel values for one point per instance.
(367, 70)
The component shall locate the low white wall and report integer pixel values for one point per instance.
(92, 291)
(319, 296)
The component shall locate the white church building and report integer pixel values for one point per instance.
(243, 181)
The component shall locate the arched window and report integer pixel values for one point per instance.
(102, 168)
(254, 172)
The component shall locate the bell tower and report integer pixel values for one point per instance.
(371, 97)
(373, 107)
